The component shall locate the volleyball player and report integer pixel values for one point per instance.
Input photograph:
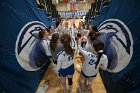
(65, 61)
(55, 46)
(41, 54)
(93, 60)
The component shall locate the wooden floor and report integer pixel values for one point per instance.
(54, 84)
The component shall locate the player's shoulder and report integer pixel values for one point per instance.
(43, 41)
(104, 56)
(60, 53)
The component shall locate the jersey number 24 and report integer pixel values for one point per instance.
(91, 62)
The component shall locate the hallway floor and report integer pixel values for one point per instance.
(54, 84)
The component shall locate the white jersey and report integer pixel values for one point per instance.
(90, 62)
(46, 46)
(88, 46)
(64, 61)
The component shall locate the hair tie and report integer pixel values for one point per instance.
(100, 51)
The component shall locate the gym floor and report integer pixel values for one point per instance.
(54, 84)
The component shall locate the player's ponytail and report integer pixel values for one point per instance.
(99, 46)
(53, 42)
(94, 28)
(99, 57)
(93, 36)
(94, 33)
(66, 39)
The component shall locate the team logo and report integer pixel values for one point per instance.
(26, 41)
(118, 44)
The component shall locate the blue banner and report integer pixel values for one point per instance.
(70, 14)
(19, 21)
(119, 27)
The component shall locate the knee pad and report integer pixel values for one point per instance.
(70, 81)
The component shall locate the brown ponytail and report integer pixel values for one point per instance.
(66, 39)
(94, 28)
(93, 35)
(53, 42)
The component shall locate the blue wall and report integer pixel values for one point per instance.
(14, 15)
(128, 79)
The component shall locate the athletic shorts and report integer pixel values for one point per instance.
(87, 76)
(68, 71)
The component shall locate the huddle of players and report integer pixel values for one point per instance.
(60, 45)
